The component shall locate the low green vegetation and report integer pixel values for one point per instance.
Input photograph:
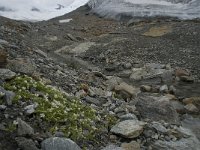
(64, 113)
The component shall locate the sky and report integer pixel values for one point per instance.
(37, 10)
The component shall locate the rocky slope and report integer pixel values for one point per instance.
(101, 83)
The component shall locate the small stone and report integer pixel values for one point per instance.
(30, 109)
(181, 72)
(146, 88)
(92, 100)
(9, 95)
(128, 116)
(164, 89)
(113, 137)
(172, 90)
(191, 108)
(112, 147)
(126, 90)
(128, 128)
(159, 127)
(127, 65)
(2, 107)
(24, 128)
(187, 79)
(131, 146)
(56, 143)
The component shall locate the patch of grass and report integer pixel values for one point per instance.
(64, 113)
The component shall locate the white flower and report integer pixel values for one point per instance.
(42, 115)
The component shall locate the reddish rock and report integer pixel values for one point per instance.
(3, 58)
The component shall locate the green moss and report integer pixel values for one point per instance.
(64, 113)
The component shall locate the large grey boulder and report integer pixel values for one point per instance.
(157, 108)
(56, 143)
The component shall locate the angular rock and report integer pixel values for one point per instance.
(138, 73)
(146, 88)
(126, 90)
(112, 147)
(164, 89)
(186, 79)
(112, 82)
(131, 146)
(9, 95)
(128, 128)
(191, 108)
(159, 127)
(128, 117)
(181, 72)
(193, 100)
(156, 109)
(30, 109)
(56, 143)
(6, 74)
(24, 128)
(26, 144)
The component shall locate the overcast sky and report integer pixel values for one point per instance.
(43, 9)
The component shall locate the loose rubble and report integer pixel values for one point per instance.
(104, 86)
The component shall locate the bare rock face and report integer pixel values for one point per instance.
(3, 59)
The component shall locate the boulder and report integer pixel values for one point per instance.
(24, 128)
(128, 128)
(126, 91)
(56, 143)
(156, 108)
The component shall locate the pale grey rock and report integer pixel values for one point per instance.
(126, 90)
(9, 95)
(128, 128)
(30, 109)
(24, 128)
(128, 116)
(56, 143)
(159, 127)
